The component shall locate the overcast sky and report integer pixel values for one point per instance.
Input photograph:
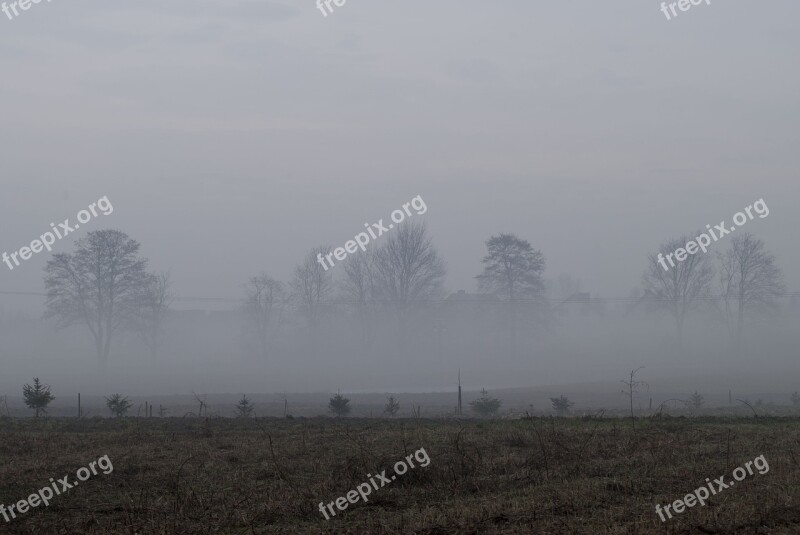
(232, 136)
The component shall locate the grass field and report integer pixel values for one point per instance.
(541, 475)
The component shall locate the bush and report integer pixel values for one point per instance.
(118, 405)
(485, 405)
(561, 404)
(339, 405)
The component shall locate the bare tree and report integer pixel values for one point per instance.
(203, 404)
(264, 303)
(679, 289)
(312, 286)
(358, 287)
(749, 278)
(156, 298)
(408, 267)
(408, 272)
(512, 270)
(633, 388)
(99, 286)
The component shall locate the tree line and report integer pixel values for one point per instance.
(105, 286)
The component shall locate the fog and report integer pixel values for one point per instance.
(233, 137)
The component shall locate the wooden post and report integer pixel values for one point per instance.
(79, 404)
(459, 392)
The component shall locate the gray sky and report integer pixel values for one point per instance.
(232, 136)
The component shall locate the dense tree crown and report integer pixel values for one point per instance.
(512, 268)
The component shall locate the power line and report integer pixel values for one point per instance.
(453, 299)
(24, 293)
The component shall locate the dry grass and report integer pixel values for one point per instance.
(196, 476)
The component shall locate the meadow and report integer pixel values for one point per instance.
(268, 475)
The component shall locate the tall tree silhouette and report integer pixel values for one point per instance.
(512, 270)
(750, 280)
(101, 286)
(678, 289)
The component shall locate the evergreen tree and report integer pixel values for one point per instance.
(561, 404)
(696, 400)
(244, 408)
(391, 407)
(485, 405)
(37, 397)
(339, 405)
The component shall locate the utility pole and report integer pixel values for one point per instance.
(459, 391)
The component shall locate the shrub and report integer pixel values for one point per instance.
(339, 405)
(561, 404)
(485, 405)
(118, 405)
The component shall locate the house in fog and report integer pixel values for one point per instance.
(581, 304)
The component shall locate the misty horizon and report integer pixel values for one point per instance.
(234, 138)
